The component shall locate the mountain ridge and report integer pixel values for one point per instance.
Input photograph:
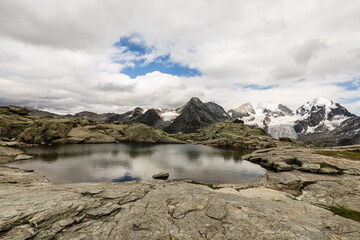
(311, 122)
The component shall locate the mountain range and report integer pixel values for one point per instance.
(320, 122)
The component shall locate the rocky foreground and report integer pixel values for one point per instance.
(314, 194)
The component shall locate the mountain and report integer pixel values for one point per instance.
(319, 116)
(194, 115)
(347, 133)
(91, 116)
(218, 110)
(319, 122)
(37, 112)
(263, 115)
(315, 122)
(127, 117)
(150, 118)
(244, 110)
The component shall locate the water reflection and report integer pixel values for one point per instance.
(126, 178)
(127, 162)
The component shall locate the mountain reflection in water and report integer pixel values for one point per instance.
(127, 162)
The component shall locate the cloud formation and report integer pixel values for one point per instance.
(62, 55)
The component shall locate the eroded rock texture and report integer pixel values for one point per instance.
(314, 194)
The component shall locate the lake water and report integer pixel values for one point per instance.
(126, 162)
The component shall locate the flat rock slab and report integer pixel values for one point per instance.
(305, 159)
(151, 210)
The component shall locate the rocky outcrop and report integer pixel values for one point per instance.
(58, 130)
(232, 135)
(14, 110)
(307, 159)
(195, 115)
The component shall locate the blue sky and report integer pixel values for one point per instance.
(135, 46)
(162, 53)
(352, 85)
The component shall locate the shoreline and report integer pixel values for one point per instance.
(292, 199)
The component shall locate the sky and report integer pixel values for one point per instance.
(109, 56)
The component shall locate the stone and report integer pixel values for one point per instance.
(175, 210)
(162, 176)
(329, 170)
(9, 144)
(22, 157)
(282, 166)
(238, 121)
(311, 167)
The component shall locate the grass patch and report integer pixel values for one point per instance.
(346, 213)
(341, 154)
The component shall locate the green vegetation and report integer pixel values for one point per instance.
(346, 213)
(16, 124)
(352, 155)
(230, 135)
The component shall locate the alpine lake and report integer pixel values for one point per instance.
(121, 162)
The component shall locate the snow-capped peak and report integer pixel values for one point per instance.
(316, 104)
(322, 101)
(320, 115)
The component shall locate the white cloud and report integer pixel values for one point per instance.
(59, 55)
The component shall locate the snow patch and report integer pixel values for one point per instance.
(169, 116)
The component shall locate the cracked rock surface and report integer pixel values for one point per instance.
(297, 203)
(33, 208)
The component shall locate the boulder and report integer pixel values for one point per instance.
(238, 121)
(162, 176)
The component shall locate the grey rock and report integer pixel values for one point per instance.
(162, 176)
(9, 144)
(283, 205)
(282, 166)
(22, 157)
(310, 167)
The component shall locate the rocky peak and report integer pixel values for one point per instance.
(320, 115)
(217, 109)
(194, 115)
(316, 104)
(276, 110)
(150, 118)
(244, 110)
(285, 110)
